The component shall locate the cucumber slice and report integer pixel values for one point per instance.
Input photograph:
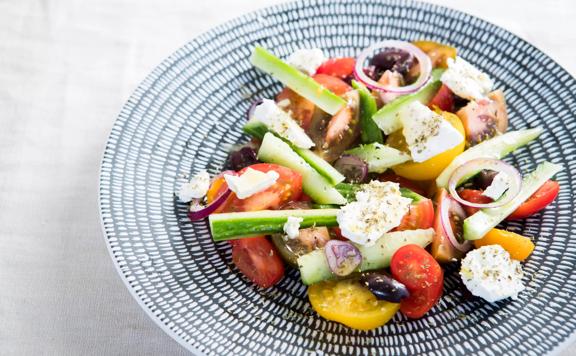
(231, 226)
(379, 157)
(387, 117)
(255, 129)
(478, 225)
(274, 150)
(496, 148)
(297, 81)
(369, 130)
(314, 266)
(349, 191)
(320, 165)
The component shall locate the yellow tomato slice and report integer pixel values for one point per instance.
(350, 303)
(519, 247)
(429, 169)
(438, 52)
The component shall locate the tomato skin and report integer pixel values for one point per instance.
(422, 275)
(420, 216)
(287, 188)
(538, 201)
(337, 67)
(473, 196)
(443, 100)
(334, 84)
(519, 247)
(302, 109)
(441, 248)
(258, 260)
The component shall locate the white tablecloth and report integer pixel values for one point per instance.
(66, 68)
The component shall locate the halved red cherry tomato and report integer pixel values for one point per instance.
(416, 187)
(258, 260)
(337, 67)
(301, 108)
(443, 100)
(422, 275)
(420, 216)
(473, 196)
(288, 187)
(538, 201)
(335, 85)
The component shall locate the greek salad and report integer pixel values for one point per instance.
(370, 174)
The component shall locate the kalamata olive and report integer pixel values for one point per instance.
(343, 257)
(393, 59)
(252, 107)
(483, 179)
(384, 287)
(352, 167)
(244, 157)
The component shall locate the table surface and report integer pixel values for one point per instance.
(66, 68)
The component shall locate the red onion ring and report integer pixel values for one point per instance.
(210, 208)
(252, 107)
(342, 257)
(449, 204)
(473, 167)
(423, 60)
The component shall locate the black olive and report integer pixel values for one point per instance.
(393, 59)
(384, 287)
(244, 157)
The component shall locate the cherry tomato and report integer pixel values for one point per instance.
(438, 52)
(473, 196)
(414, 267)
(258, 260)
(420, 216)
(390, 176)
(443, 100)
(337, 67)
(301, 108)
(334, 84)
(538, 201)
(350, 303)
(288, 187)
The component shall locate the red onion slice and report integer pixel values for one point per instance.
(471, 168)
(343, 257)
(252, 107)
(449, 205)
(210, 208)
(423, 60)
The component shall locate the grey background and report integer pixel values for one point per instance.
(66, 68)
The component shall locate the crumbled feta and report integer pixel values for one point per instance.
(490, 273)
(499, 185)
(279, 121)
(379, 207)
(307, 60)
(465, 80)
(426, 132)
(196, 188)
(250, 182)
(292, 227)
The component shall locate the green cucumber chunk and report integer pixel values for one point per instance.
(478, 225)
(379, 157)
(320, 165)
(387, 117)
(370, 132)
(255, 129)
(496, 148)
(297, 81)
(314, 266)
(275, 150)
(231, 226)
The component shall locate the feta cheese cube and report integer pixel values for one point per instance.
(426, 132)
(279, 121)
(465, 80)
(196, 188)
(499, 185)
(307, 60)
(379, 207)
(292, 227)
(490, 273)
(250, 182)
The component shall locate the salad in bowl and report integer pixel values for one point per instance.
(371, 174)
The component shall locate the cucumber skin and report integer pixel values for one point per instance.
(275, 150)
(297, 81)
(478, 225)
(231, 226)
(378, 156)
(387, 117)
(496, 147)
(255, 129)
(314, 266)
(370, 132)
(349, 190)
